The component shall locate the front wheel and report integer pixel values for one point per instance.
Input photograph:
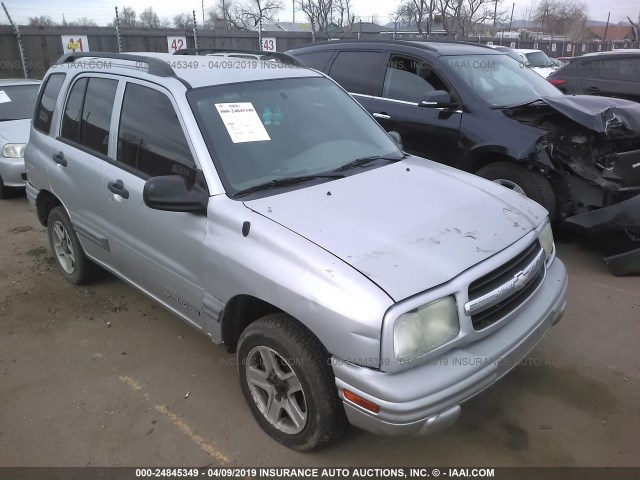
(288, 383)
(530, 183)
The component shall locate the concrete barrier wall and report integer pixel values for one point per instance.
(43, 46)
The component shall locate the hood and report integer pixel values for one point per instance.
(15, 131)
(408, 226)
(544, 72)
(609, 116)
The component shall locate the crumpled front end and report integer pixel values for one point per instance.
(616, 231)
(594, 143)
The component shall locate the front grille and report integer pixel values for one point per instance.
(500, 276)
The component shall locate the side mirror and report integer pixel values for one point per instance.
(173, 194)
(395, 136)
(437, 99)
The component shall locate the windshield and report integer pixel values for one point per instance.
(17, 101)
(539, 59)
(500, 80)
(270, 130)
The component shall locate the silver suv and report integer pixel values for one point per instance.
(261, 204)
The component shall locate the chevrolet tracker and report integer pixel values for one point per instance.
(266, 208)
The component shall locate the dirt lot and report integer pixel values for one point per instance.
(98, 375)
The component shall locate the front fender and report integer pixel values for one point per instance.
(342, 307)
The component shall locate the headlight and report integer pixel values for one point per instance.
(425, 328)
(13, 150)
(546, 240)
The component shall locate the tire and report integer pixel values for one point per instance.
(5, 192)
(302, 383)
(530, 183)
(67, 251)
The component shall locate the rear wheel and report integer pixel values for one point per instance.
(66, 248)
(288, 383)
(530, 183)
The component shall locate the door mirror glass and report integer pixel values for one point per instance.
(437, 99)
(172, 193)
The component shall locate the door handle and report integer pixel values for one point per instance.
(592, 89)
(117, 187)
(59, 159)
(382, 115)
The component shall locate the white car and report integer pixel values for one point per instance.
(17, 101)
(538, 61)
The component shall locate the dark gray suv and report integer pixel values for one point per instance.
(610, 74)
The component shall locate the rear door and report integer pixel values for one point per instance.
(161, 252)
(432, 133)
(38, 158)
(79, 155)
(360, 73)
(617, 77)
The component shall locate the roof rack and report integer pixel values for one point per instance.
(408, 43)
(283, 57)
(155, 66)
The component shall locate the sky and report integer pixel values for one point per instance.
(103, 11)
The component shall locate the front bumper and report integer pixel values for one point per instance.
(13, 172)
(614, 230)
(427, 398)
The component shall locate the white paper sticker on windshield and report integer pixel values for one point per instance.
(4, 98)
(242, 122)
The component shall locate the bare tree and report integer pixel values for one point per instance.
(41, 21)
(183, 20)
(473, 14)
(127, 18)
(636, 28)
(80, 22)
(343, 13)
(414, 12)
(528, 13)
(149, 18)
(317, 12)
(226, 15)
(563, 16)
(254, 11)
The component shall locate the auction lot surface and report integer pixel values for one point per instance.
(97, 376)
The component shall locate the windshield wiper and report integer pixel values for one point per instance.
(361, 162)
(283, 182)
(526, 104)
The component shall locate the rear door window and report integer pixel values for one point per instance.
(87, 115)
(624, 69)
(47, 102)
(359, 72)
(317, 60)
(150, 137)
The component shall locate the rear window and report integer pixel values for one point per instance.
(359, 72)
(317, 60)
(44, 112)
(17, 101)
